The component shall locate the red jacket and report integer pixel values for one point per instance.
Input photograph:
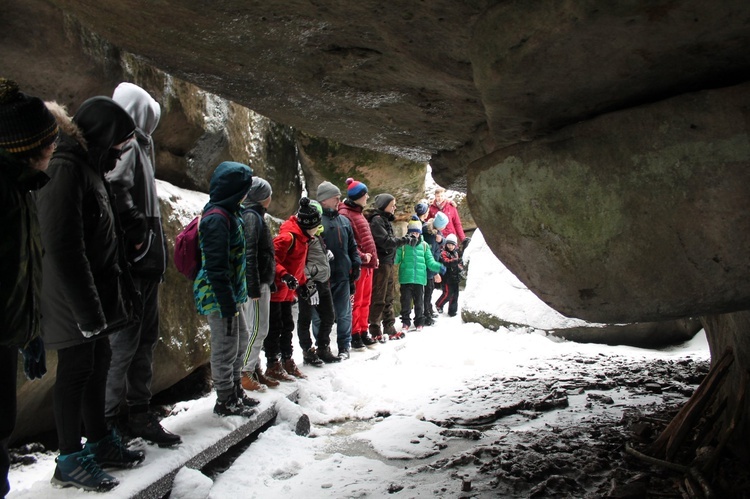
(362, 233)
(290, 247)
(454, 221)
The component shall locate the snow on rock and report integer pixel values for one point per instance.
(191, 484)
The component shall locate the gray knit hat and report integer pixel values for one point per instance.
(259, 191)
(327, 190)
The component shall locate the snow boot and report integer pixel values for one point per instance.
(276, 371)
(327, 356)
(263, 380)
(79, 469)
(250, 382)
(147, 426)
(232, 406)
(291, 368)
(240, 392)
(368, 341)
(310, 357)
(357, 343)
(111, 452)
(344, 354)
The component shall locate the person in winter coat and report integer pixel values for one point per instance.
(384, 279)
(290, 249)
(444, 205)
(134, 188)
(85, 296)
(413, 261)
(220, 288)
(317, 297)
(454, 265)
(432, 235)
(28, 132)
(338, 236)
(352, 208)
(261, 270)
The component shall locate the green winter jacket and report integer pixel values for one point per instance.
(20, 252)
(413, 262)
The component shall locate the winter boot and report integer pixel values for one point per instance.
(368, 341)
(357, 343)
(344, 354)
(240, 392)
(147, 426)
(263, 380)
(111, 452)
(389, 329)
(276, 371)
(79, 469)
(249, 382)
(310, 357)
(291, 368)
(327, 356)
(232, 406)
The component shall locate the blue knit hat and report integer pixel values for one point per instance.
(355, 189)
(420, 209)
(441, 220)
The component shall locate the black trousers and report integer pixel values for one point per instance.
(79, 393)
(8, 370)
(325, 313)
(449, 296)
(412, 293)
(278, 343)
(428, 290)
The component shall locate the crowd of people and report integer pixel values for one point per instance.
(79, 207)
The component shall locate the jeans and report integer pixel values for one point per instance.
(326, 317)
(131, 369)
(256, 318)
(227, 352)
(342, 307)
(79, 393)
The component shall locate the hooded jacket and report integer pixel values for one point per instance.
(20, 252)
(362, 233)
(134, 187)
(386, 241)
(339, 238)
(81, 289)
(290, 248)
(414, 261)
(259, 254)
(221, 284)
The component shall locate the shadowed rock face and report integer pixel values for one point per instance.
(631, 215)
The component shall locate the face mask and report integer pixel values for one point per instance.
(110, 159)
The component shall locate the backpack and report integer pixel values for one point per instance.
(187, 249)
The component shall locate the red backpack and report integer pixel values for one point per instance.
(187, 249)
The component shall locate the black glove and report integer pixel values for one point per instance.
(290, 281)
(352, 287)
(354, 276)
(413, 241)
(229, 321)
(465, 243)
(304, 291)
(34, 359)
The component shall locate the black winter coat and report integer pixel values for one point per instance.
(259, 253)
(382, 233)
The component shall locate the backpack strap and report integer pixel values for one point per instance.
(291, 246)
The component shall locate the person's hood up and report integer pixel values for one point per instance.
(143, 108)
(229, 184)
(104, 124)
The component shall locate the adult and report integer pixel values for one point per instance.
(83, 297)
(384, 278)
(220, 288)
(444, 205)
(351, 208)
(432, 235)
(133, 185)
(27, 140)
(260, 271)
(339, 239)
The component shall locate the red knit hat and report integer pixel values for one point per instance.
(355, 189)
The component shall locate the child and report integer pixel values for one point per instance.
(454, 265)
(413, 261)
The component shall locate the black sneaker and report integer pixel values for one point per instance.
(357, 343)
(232, 407)
(81, 470)
(111, 452)
(147, 426)
(367, 341)
(311, 357)
(327, 356)
(246, 400)
(344, 354)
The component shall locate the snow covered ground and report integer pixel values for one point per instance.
(379, 418)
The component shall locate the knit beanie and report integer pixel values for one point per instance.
(382, 201)
(307, 215)
(355, 189)
(26, 126)
(452, 239)
(327, 190)
(414, 225)
(420, 209)
(259, 191)
(441, 220)
(317, 206)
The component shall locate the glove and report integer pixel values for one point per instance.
(354, 276)
(229, 321)
(88, 333)
(329, 254)
(290, 281)
(314, 297)
(304, 291)
(413, 241)
(352, 287)
(34, 359)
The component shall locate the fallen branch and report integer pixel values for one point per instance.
(658, 462)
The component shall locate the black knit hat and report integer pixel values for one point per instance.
(308, 216)
(26, 125)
